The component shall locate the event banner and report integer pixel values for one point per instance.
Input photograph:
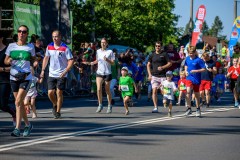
(29, 15)
(234, 35)
(201, 13)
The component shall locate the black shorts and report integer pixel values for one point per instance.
(232, 84)
(15, 85)
(59, 83)
(105, 77)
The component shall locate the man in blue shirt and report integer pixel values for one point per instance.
(193, 68)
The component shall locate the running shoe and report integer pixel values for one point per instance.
(127, 113)
(169, 114)
(188, 112)
(27, 130)
(155, 110)
(99, 109)
(109, 109)
(198, 112)
(15, 133)
(207, 105)
(57, 115)
(236, 104)
(178, 103)
(202, 103)
(112, 102)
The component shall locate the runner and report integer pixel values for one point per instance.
(233, 73)
(19, 55)
(157, 64)
(126, 85)
(105, 58)
(5, 87)
(61, 61)
(168, 87)
(206, 79)
(31, 95)
(193, 68)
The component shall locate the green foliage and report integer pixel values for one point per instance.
(135, 23)
(216, 28)
(205, 28)
(35, 2)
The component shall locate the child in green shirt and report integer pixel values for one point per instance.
(126, 84)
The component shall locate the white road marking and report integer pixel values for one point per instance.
(44, 112)
(97, 130)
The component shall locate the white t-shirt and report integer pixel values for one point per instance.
(168, 89)
(21, 56)
(58, 59)
(104, 68)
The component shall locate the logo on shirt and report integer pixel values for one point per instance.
(60, 54)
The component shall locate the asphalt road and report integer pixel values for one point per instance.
(83, 134)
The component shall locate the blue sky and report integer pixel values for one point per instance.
(222, 8)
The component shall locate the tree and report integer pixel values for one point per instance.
(216, 28)
(131, 22)
(205, 28)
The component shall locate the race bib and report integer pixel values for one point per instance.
(124, 88)
(182, 87)
(167, 91)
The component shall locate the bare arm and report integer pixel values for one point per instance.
(44, 65)
(69, 66)
(149, 70)
(8, 60)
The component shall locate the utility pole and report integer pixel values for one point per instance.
(191, 15)
(191, 22)
(235, 9)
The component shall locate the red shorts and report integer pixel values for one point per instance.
(205, 85)
(194, 86)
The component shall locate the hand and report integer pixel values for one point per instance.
(210, 69)
(193, 71)
(105, 59)
(150, 77)
(160, 68)
(136, 90)
(9, 61)
(63, 74)
(42, 74)
(35, 64)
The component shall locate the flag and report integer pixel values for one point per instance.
(234, 35)
(201, 13)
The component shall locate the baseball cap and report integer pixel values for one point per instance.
(125, 68)
(169, 73)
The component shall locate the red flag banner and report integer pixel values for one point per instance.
(201, 13)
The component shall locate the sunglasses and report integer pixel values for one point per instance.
(157, 46)
(23, 32)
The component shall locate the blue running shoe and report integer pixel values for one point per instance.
(15, 133)
(27, 130)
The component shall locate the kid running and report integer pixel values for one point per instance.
(126, 84)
